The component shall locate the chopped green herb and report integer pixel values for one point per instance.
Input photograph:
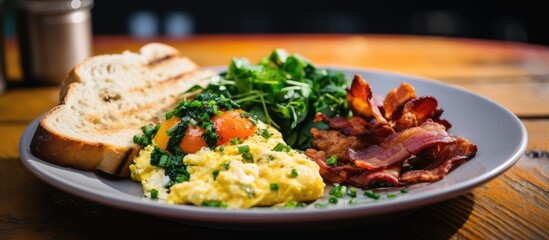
(371, 194)
(338, 190)
(332, 200)
(295, 204)
(352, 201)
(351, 192)
(281, 147)
(249, 116)
(215, 173)
(235, 141)
(182, 177)
(226, 165)
(173, 165)
(244, 150)
(154, 194)
(294, 173)
(221, 148)
(265, 133)
(149, 131)
(391, 195)
(214, 203)
(332, 160)
(321, 205)
(164, 161)
(404, 190)
(274, 186)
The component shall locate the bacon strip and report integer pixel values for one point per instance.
(361, 102)
(349, 126)
(444, 158)
(400, 146)
(338, 174)
(397, 97)
(365, 178)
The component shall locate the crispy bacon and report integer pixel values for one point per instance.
(387, 137)
(400, 146)
(416, 111)
(337, 174)
(349, 126)
(389, 175)
(443, 157)
(349, 174)
(397, 97)
(361, 101)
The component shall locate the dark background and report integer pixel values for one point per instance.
(517, 21)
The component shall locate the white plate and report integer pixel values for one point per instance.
(500, 136)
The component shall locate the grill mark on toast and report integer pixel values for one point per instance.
(160, 60)
(124, 162)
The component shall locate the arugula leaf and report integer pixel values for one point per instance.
(284, 90)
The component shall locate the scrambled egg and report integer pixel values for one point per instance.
(224, 176)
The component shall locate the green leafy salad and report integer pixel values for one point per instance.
(285, 91)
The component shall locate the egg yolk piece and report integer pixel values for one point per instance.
(231, 124)
(161, 139)
(193, 140)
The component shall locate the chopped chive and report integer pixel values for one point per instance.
(294, 173)
(215, 173)
(338, 190)
(352, 201)
(391, 195)
(214, 203)
(281, 147)
(182, 177)
(154, 194)
(221, 148)
(351, 192)
(332, 160)
(321, 205)
(294, 204)
(245, 151)
(332, 200)
(371, 194)
(265, 133)
(164, 161)
(404, 190)
(274, 186)
(235, 141)
(226, 165)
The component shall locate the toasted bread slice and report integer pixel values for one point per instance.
(106, 99)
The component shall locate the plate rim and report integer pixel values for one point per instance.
(196, 213)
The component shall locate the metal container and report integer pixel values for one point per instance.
(53, 36)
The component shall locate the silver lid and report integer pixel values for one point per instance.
(54, 5)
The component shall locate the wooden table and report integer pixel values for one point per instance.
(514, 205)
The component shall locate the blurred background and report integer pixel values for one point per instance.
(516, 21)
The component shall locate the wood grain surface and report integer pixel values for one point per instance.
(515, 205)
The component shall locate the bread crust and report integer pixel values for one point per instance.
(52, 145)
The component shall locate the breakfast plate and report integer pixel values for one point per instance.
(500, 136)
